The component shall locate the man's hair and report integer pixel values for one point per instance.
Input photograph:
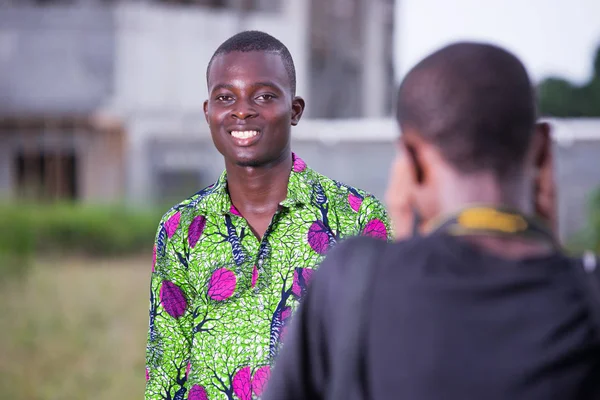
(257, 41)
(475, 103)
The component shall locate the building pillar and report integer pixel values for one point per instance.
(374, 67)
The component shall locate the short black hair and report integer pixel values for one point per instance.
(257, 41)
(475, 102)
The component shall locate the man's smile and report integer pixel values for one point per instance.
(245, 137)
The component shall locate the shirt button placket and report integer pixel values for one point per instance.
(261, 305)
(260, 264)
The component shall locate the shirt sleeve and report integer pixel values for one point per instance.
(170, 328)
(373, 220)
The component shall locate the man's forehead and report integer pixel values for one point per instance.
(252, 65)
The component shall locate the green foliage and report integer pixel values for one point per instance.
(559, 98)
(33, 229)
(589, 237)
(16, 247)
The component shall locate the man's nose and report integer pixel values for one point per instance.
(244, 110)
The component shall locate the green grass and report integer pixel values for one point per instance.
(75, 330)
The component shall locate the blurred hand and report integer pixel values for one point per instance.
(398, 197)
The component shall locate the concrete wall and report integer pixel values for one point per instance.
(55, 59)
(577, 169)
(101, 174)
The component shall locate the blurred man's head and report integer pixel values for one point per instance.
(467, 114)
(252, 104)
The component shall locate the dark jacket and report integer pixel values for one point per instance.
(446, 321)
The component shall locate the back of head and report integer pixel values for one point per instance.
(475, 103)
(248, 41)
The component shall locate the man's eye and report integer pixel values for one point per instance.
(224, 98)
(265, 97)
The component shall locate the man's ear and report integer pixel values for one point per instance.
(297, 109)
(410, 146)
(545, 183)
(206, 110)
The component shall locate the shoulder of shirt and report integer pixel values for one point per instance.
(339, 190)
(196, 202)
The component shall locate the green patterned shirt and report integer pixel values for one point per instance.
(220, 298)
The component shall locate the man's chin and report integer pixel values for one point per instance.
(244, 157)
(249, 163)
(247, 159)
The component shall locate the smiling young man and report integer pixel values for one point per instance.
(232, 261)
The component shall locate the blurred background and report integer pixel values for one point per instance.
(102, 130)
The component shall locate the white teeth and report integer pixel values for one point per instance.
(243, 134)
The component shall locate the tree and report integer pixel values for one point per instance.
(560, 98)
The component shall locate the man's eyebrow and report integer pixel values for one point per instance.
(228, 86)
(268, 84)
(222, 86)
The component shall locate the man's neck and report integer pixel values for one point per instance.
(482, 189)
(258, 190)
(517, 195)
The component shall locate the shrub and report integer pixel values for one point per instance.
(29, 229)
(16, 244)
(589, 237)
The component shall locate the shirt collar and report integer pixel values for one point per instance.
(299, 189)
(300, 183)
